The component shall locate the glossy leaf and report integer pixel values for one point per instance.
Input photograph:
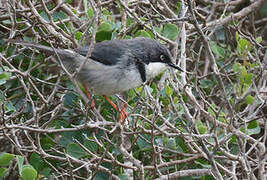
(103, 35)
(217, 50)
(236, 67)
(90, 12)
(70, 98)
(202, 129)
(168, 90)
(171, 144)
(123, 177)
(259, 39)
(104, 27)
(28, 173)
(142, 33)
(78, 35)
(20, 160)
(3, 172)
(5, 159)
(142, 143)
(249, 99)
(75, 150)
(170, 31)
(91, 145)
(37, 162)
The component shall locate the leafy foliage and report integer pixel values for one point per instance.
(182, 125)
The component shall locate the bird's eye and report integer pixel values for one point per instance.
(162, 57)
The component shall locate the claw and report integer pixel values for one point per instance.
(123, 114)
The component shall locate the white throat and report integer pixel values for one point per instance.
(154, 68)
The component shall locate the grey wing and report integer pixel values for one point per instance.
(107, 52)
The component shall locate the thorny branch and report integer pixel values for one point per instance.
(163, 139)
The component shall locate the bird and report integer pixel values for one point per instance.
(114, 66)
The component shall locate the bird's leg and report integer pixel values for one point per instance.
(123, 113)
(88, 95)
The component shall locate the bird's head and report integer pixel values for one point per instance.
(156, 56)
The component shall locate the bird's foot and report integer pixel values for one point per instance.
(123, 113)
(92, 105)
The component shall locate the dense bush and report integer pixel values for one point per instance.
(208, 122)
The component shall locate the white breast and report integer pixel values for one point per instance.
(154, 68)
(108, 80)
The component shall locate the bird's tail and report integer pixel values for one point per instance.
(46, 49)
(69, 58)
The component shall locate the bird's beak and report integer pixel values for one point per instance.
(175, 66)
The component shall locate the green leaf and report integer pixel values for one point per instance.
(101, 176)
(249, 99)
(123, 177)
(91, 145)
(3, 172)
(5, 159)
(39, 165)
(104, 27)
(37, 162)
(248, 78)
(206, 83)
(168, 90)
(2, 81)
(4, 74)
(106, 12)
(28, 173)
(9, 107)
(142, 33)
(243, 46)
(75, 150)
(217, 50)
(175, 100)
(104, 32)
(170, 31)
(220, 33)
(202, 129)
(243, 71)
(2, 97)
(47, 142)
(245, 77)
(259, 39)
(70, 98)
(253, 124)
(142, 144)
(178, 7)
(236, 67)
(78, 35)
(85, 5)
(253, 127)
(20, 160)
(203, 163)
(90, 12)
(171, 144)
(44, 15)
(256, 130)
(103, 35)
(59, 15)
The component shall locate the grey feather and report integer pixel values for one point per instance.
(114, 66)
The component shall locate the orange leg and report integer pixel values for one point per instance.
(88, 95)
(123, 113)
